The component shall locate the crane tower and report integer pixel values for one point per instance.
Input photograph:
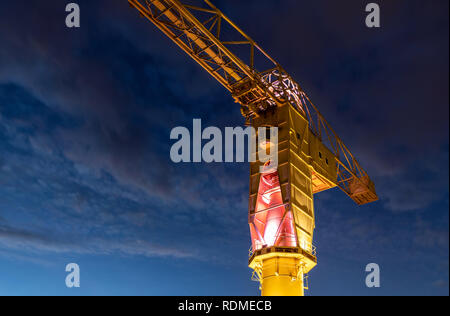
(312, 158)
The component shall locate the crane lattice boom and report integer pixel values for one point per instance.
(199, 32)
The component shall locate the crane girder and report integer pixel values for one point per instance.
(199, 31)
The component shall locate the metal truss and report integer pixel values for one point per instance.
(240, 65)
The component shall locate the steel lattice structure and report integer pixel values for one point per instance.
(199, 31)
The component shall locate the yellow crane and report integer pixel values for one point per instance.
(312, 158)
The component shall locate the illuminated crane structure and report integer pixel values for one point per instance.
(312, 158)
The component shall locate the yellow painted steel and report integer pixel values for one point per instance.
(305, 167)
(282, 277)
(269, 97)
(282, 273)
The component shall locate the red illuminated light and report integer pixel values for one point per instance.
(272, 224)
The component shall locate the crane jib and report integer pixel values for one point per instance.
(256, 91)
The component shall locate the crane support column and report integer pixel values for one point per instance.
(281, 208)
(282, 276)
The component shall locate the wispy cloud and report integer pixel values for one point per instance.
(32, 242)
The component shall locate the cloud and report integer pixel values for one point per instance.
(18, 239)
(440, 283)
(94, 184)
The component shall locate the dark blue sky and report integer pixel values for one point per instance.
(85, 174)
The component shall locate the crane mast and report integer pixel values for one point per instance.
(312, 157)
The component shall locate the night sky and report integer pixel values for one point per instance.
(85, 170)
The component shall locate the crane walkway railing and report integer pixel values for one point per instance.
(305, 246)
